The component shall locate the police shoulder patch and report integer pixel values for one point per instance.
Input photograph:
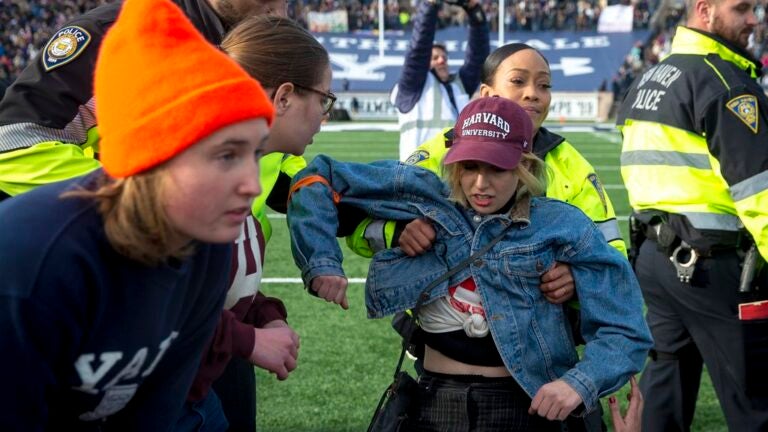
(745, 108)
(599, 188)
(65, 46)
(416, 157)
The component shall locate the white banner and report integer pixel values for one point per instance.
(328, 22)
(573, 106)
(367, 106)
(615, 19)
(376, 106)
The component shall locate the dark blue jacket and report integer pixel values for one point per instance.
(89, 338)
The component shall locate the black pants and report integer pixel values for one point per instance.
(237, 390)
(467, 403)
(694, 324)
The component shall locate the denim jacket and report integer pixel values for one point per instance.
(532, 335)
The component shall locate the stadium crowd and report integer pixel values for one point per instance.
(521, 15)
(26, 25)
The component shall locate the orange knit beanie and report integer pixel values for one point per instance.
(160, 87)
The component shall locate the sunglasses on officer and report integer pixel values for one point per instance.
(329, 99)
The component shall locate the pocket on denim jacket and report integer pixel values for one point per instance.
(529, 262)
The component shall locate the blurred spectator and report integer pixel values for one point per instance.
(521, 15)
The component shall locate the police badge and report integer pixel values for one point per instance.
(65, 46)
(745, 108)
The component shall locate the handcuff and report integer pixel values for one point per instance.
(684, 269)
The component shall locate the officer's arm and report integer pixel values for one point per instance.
(275, 173)
(595, 202)
(277, 197)
(47, 119)
(417, 59)
(736, 127)
(371, 236)
(587, 192)
(24, 169)
(478, 47)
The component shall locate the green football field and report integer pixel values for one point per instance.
(346, 360)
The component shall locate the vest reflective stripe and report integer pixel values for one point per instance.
(671, 170)
(709, 221)
(431, 114)
(24, 135)
(668, 158)
(751, 186)
(374, 233)
(610, 229)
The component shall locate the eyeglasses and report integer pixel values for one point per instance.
(329, 99)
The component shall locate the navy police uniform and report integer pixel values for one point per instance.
(695, 164)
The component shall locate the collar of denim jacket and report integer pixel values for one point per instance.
(521, 210)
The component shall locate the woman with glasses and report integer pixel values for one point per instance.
(295, 71)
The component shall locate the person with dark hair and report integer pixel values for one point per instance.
(427, 96)
(114, 281)
(520, 73)
(498, 356)
(695, 166)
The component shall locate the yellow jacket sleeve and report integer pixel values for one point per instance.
(573, 179)
(372, 235)
(270, 167)
(47, 162)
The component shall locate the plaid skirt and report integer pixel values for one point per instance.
(463, 403)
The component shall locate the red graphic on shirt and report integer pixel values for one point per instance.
(464, 299)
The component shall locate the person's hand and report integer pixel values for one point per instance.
(275, 349)
(417, 237)
(555, 401)
(331, 288)
(631, 422)
(557, 284)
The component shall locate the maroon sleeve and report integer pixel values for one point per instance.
(266, 309)
(231, 337)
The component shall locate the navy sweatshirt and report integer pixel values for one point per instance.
(89, 339)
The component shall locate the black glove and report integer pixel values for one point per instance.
(474, 12)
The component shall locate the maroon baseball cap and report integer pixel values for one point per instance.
(493, 130)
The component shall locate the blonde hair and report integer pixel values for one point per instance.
(531, 171)
(135, 222)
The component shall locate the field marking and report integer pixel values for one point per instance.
(299, 281)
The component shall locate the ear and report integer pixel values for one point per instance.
(283, 98)
(486, 90)
(703, 10)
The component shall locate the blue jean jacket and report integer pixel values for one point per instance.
(532, 335)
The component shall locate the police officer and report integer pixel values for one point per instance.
(520, 73)
(427, 96)
(694, 162)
